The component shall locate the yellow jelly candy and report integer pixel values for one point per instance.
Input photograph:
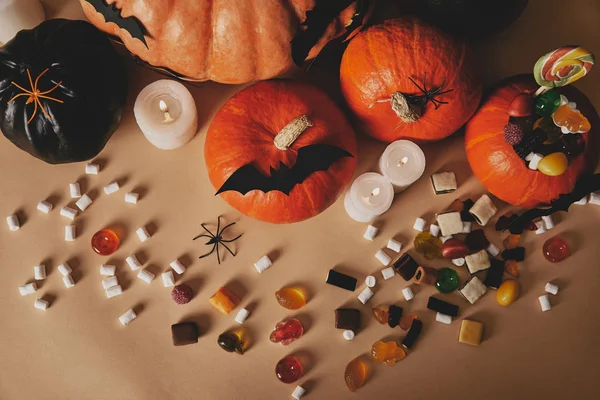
(554, 164)
(508, 292)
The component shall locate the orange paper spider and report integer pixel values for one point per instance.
(35, 95)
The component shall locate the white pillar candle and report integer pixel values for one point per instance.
(16, 15)
(166, 113)
(370, 195)
(402, 162)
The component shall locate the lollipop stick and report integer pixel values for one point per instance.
(540, 90)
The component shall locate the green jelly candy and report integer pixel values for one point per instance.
(428, 245)
(448, 280)
(547, 102)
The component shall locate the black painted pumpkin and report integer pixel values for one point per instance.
(62, 91)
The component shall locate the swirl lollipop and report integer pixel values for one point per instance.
(562, 66)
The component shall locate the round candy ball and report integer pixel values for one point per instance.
(507, 292)
(182, 294)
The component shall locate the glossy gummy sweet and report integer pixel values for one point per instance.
(428, 245)
(554, 164)
(290, 298)
(105, 242)
(556, 249)
(287, 331)
(547, 102)
(289, 369)
(232, 342)
(387, 352)
(570, 120)
(355, 374)
(507, 293)
(448, 280)
(381, 313)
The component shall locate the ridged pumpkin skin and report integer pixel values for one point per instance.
(497, 165)
(243, 131)
(227, 41)
(379, 61)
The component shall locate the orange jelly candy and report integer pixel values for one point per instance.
(574, 121)
(406, 321)
(511, 242)
(381, 313)
(387, 352)
(511, 267)
(290, 298)
(224, 300)
(105, 242)
(355, 374)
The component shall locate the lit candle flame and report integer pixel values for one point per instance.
(375, 192)
(403, 161)
(165, 110)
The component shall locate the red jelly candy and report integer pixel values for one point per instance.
(105, 242)
(288, 369)
(287, 331)
(556, 249)
(522, 105)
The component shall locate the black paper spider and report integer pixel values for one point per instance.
(428, 95)
(217, 239)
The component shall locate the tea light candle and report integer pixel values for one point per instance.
(370, 195)
(166, 113)
(402, 162)
(16, 15)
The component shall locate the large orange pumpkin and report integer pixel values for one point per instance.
(497, 165)
(376, 72)
(280, 151)
(233, 41)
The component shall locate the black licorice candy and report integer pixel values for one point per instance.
(341, 280)
(413, 334)
(517, 254)
(394, 315)
(493, 278)
(347, 318)
(406, 267)
(442, 307)
(465, 215)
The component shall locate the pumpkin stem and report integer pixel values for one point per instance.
(407, 112)
(291, 131)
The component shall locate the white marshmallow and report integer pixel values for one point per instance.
(114, 291)
(262, 264)
(177, 267)
(133, 263)
(551, 288)
(109, 282)
(545, 302)
(383, 258)
(168, 278)
(582, 202)
(143, 234)
(84, 202)
(298, 393)
(68, 212)
(365, 295)
(241, 316)
(444, 239)
(44, 207)
(394, 245)
(408, 293)
(75, 190)
(39, 272)
(92, 169)
(467, 227)
(371, 232)
(388, 273)
(535, 160)
(127, 317)
(68, 281)
(41, 304)
(370, 281)
(65, 269)
(13, 222)
(548, 222)
(419, 225)
(348, 334)
(111, 188)
(434, 230)
(28, 288)
(107, 270)
(529, 156)
(595, 198)
(541, 228)
(70, 233)
(493, 250)
(131, 197)
(443, 318)
(145, 275)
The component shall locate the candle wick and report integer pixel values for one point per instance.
(165, 110)
(375, 192)
(403, 161)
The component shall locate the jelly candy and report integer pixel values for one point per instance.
(454, 248)
(554, 164)
(522, 105)
(547, 102)
(511, 267)
(387, 352)
(552, 131)
(513, 134)
(232, 341)
(428, 245)
(381, 313)
(511, 241)
(531, 143)
(406, 321)
(291, 298)
(507, 293)
(289, 369)
(476, 240)
(224, 300)
(572, 145)
(355, 374)
(563, 66)
(105, 242)
(448, 280)
(570, 120)
(287, 331)
(556, 249)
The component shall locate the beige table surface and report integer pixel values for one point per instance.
(78, 349)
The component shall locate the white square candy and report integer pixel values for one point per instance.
(473, 289)
(145, 275)
(75, 190)
(132, 197)
(127, 317)
(444, 182)
(450, 223)
(595, 198)
(493, 250)
(241, 316)
(39, 272)
(41, 304)
(92, 169)
(551, 288)
(467, 226)
(84, 202)
(545, 302)
(388, 273)
(541, 228)
(365, 295)
(582, 202)
(109, 282)
(548, 222)
(419, 225)
(111, 188)
(263, 264)
(114, 291)
(408, 293)
(13, 222)
(133, 262)
(177, 267)
(394, 245)
(107, 270)
(44, 207)
(28, 288)
(65, 269)
(443, 318)
(383, 258)
(478, 261)
(68, 212)
(68, 281)
(168, 279)
(70, 233)
(143, 234)
(434, 230)
(535, 160)
(371, 232)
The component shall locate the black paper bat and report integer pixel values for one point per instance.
(584, 186)
(312, 158)
(316, 23)
(113, 14)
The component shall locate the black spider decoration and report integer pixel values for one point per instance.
(428, 95)
(217, 239)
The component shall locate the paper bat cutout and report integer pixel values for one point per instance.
(312, 158)
(113, 14)
(316, 23)
(584, 186)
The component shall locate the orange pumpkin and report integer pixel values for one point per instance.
(383, 68)
(497, 165)
(229, 42)
(280, 151)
